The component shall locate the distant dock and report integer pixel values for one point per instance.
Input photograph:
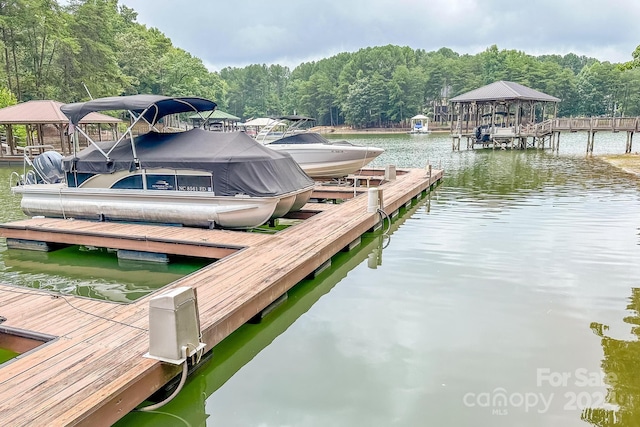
(82, 361)
(547, 134)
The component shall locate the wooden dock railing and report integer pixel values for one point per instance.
(612, 124)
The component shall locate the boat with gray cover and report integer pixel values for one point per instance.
(193, 178)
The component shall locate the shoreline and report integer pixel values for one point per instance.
(629, 163)
(327, 130)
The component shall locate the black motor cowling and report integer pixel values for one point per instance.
(48, 167)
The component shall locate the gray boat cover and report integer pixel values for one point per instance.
(160, 106)
(240, 165)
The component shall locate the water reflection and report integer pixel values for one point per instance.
(621, 372)
(190, 406)
(500, 275)
(6, 355)
(90, 272)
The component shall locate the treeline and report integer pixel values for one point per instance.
(64, 53)
(96, 46)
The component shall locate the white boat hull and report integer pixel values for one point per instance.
(330, 161)
(197, 209)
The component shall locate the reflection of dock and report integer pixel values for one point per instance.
(243, 345)
(91, 370)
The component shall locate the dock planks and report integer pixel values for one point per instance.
(94, 372)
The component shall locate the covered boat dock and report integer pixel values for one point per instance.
(217, 120)
(502, 115)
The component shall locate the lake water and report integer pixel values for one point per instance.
(84, 271)
(508, 297)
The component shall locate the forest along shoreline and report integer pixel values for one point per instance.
(343, 130)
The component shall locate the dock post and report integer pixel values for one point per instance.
(591, 136)
(373, 200)
(374, 259)
(390, 173)
(455, 143)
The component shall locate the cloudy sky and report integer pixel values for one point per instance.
(288, 32)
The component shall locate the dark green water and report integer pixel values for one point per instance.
(84, 271)
(510, 297)
(6, 355)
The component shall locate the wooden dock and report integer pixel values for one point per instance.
(91, 370)
(547, 133)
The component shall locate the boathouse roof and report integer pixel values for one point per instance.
(216, 115)
(45, 112)
(504, 91)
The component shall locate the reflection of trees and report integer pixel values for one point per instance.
(497, 178)
(621, 366)
(508, 172)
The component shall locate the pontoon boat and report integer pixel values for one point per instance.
(193, 178)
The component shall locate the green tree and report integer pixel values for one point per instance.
(405, 93)
(630, 93)
(7, 98)
(599, 89)
(94, 26)
(357, 102)
(33, 33)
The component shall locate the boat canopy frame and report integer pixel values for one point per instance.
(295, 123)
(149, 108)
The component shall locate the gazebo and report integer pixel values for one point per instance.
(225, 121)
(502, 110)
(35, 115)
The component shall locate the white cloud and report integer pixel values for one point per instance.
(289, 32)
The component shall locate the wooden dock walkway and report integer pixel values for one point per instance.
(92, 372)
(539, 135)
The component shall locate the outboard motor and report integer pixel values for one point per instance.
(48, 167)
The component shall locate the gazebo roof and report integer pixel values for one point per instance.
(45, 112)
(217, 115)
(504, 91)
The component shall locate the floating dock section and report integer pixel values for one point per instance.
(81, 360)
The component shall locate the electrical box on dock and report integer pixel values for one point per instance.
(174, 324)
